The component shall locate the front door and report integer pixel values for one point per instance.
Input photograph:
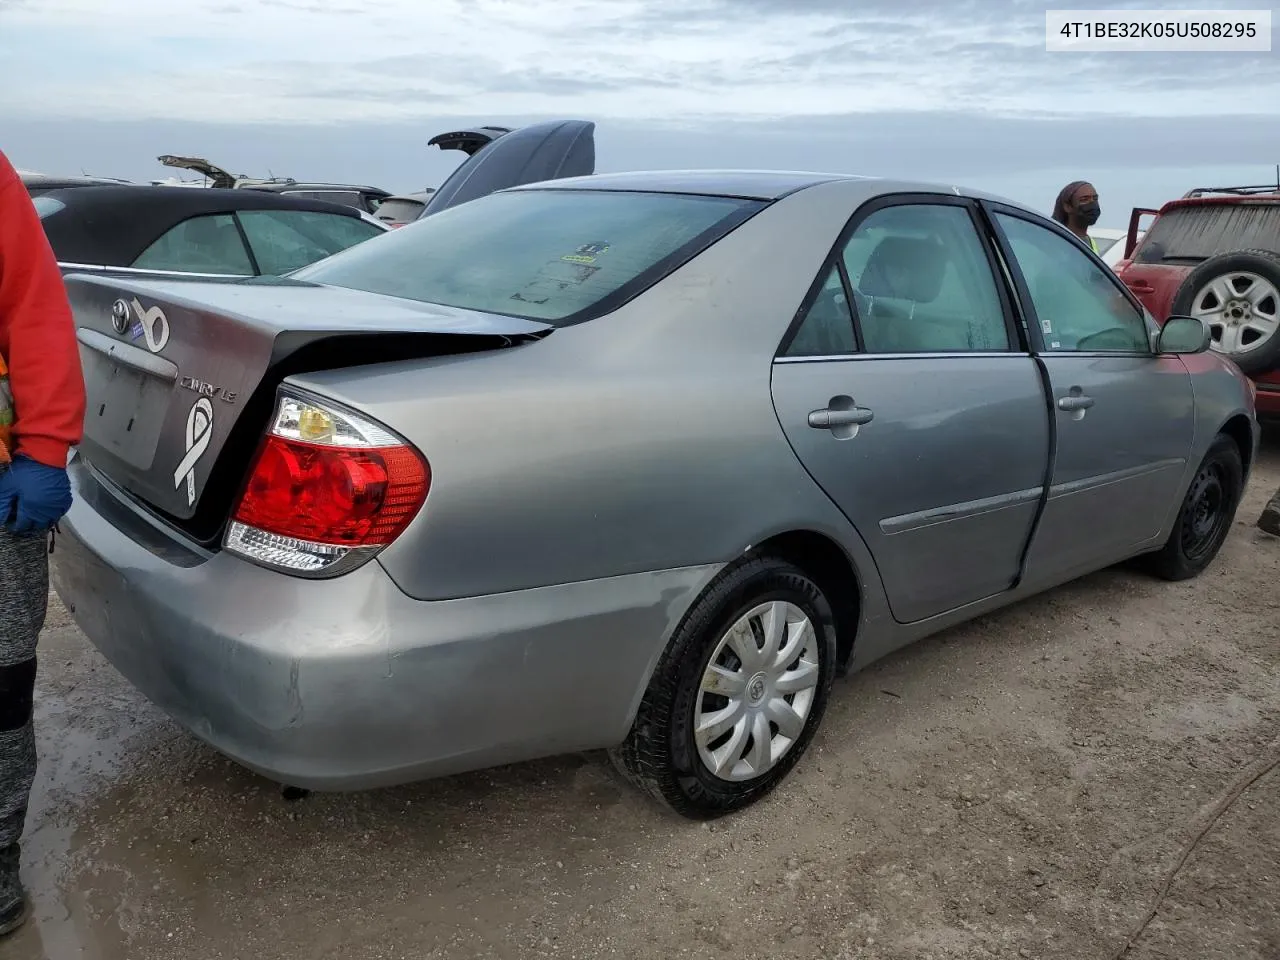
(918, 411)
(1123, 415)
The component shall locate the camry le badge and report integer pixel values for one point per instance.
(207, 389)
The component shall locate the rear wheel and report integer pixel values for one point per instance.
(738, 694)
(1206, 514)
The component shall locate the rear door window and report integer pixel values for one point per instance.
(923, 283)
(206, 244)
(553, 255)
(285, 240)
(827, 328)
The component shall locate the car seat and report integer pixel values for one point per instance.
(900, 274)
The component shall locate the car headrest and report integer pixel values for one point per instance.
(906, 268)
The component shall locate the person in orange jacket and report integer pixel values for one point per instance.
(42, 403)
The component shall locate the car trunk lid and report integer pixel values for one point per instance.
(179, 373)
(217, 176)
(468, 141)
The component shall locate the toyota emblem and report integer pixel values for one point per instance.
(120, 316)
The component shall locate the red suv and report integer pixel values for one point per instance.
(1215, 254)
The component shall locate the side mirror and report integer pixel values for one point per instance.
(1183, 335)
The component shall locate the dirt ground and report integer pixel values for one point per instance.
(1018, 787)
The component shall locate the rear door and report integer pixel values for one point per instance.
(907, 394)
(1123, 416)
(541, 151)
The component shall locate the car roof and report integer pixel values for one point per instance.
(112, 224)
(749, 184)
(762, 184)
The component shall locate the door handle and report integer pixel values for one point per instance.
(827, 418)
(842, 416)
(1075, 402)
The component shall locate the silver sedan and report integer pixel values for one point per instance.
(639, 461)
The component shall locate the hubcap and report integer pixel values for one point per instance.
(757, 691)
(1241, 309)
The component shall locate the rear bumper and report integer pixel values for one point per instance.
(349, 683)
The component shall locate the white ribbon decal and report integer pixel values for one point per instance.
(155, 326)
(199, 429)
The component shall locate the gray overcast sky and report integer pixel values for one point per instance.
(352, 89)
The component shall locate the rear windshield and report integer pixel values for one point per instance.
(1200, 232)
(558, 256)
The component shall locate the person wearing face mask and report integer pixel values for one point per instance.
(1077, 209)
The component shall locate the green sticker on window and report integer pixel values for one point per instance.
(587, 253)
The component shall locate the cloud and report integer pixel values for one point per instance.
(345, 61)
(953, 90)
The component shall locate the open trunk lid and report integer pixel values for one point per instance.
(541, 151)
(217, 176)
(181, 375)
(468, 141)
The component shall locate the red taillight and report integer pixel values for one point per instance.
(327, 490)
(334, 495)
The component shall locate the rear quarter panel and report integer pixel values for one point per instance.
(644, 440)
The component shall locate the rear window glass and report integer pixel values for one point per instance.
(1200, 232)
(549, 255)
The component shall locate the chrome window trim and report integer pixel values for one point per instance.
(140, 271)
(931, 355)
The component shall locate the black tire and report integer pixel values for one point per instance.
(660, 755)
(1266, 264)
(1206, 514)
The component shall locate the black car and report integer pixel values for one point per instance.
(208, 232)
(350, 195)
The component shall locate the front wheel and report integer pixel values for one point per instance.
(738, 694)
(1206, 514)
